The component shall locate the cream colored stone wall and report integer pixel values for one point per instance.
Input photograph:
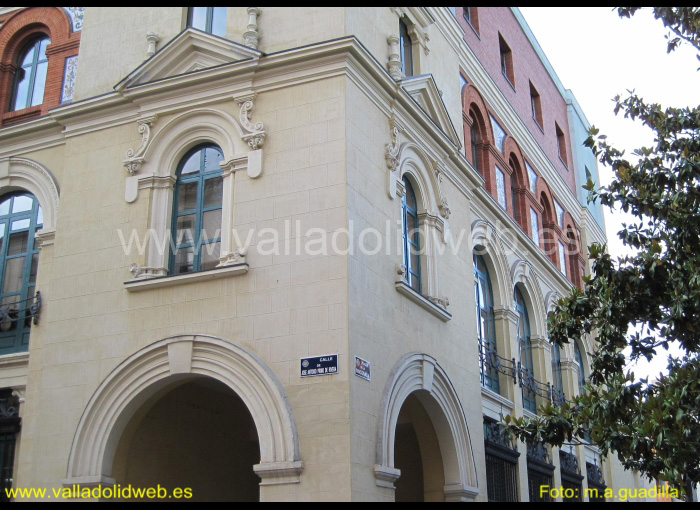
(385, 325)
(285, 307)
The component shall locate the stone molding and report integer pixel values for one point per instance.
(153, 368)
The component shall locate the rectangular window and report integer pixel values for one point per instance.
(532, 177)
(535, 226)
(471, 15)
(561, 141)
(406, 49)
(506, 60)
(562, 258)
(536, 104)
(560, 213)
(501, 187)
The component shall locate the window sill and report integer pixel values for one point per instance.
(439, 312)
(169, 281)
(498, 399)
(16, 359)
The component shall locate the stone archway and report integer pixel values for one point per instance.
(150, 372)
(419, 392)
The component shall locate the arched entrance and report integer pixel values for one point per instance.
(423, 436)
(150, 384)
(195, 435)
(417, 454)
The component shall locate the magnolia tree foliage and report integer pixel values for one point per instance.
(653, 427)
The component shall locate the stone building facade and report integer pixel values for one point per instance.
(394, 190)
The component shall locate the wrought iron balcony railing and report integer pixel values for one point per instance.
(493, 362)
(569, 462)
(539, 452)
(26, 310)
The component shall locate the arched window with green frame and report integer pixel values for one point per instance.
(558, 384)
(411, 237)
(485, 324)
(20, 218)
(196, 226)
(525, 348)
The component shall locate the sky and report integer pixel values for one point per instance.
(598, 55)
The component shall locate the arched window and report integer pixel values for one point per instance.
(411, 237)
(196, 227)
(474, 139)
(208, 19)
(30, 79)
(581, 374)
(485, 323)
(525, 348)
(405, 50)
(20, 218)
(558, 384)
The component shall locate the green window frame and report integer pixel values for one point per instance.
(485, 321)
(197, 211)
(411, 237)
(30, 77)
(20, 218)
(525, 348)
(208, 19)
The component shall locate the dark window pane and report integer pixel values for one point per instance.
(14, 269)
(187, 196)
(34, 268)
(213, 191)
(211, 224)
(209, 257)
(18, 243)
(186, 228)
(218, 26)
(184, 260)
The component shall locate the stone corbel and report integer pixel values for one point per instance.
(254, 134)
(44, 238)
(394, 62)
(392, 159)
(140, 272)
(20, 393)
(386, 476)
(134, 158)
(443, 302)
(279, 473)
(252, 36)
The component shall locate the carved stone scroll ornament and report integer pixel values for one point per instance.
(255, 133)
(134, 158)
(443, 205)
(392, 156)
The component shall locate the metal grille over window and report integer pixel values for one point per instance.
(571, 477)
(596, 483)
(540, 471)
(501, 463)
(9, 426)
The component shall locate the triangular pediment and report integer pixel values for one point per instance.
(426, 94)
(192, 50)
